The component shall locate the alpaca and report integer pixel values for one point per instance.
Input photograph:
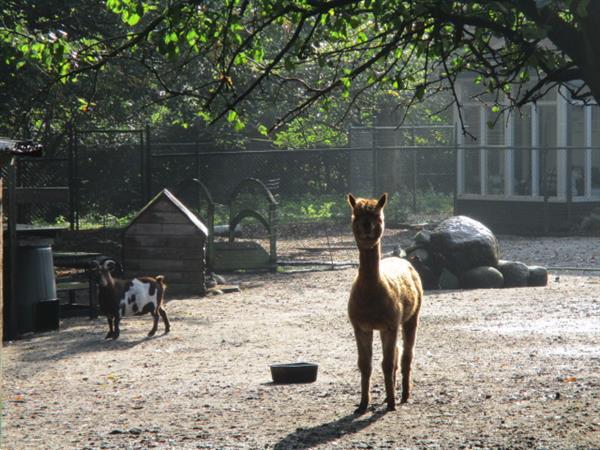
(386, 295)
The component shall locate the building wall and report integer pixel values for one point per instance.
(526, 217)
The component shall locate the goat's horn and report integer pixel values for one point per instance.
(109, 264)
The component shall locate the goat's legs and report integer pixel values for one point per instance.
(409, 331)
(110, 327)
(165, 319)
(389, 340)
(155, 325)
(364, 342)
(117, 331)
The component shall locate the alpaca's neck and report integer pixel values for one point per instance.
(368, 267)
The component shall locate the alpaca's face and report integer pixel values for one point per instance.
(367, 220)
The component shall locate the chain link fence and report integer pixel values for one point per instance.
(111, 174)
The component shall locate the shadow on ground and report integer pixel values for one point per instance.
(70, 342)
(304, 438)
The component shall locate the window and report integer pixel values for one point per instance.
(547, 121)
(522, 152)
(472, 167)
(576, 143)
(595, 151)
(495, 131)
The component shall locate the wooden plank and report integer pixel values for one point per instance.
(170, 277)
(12, 327)
(163, 205)
(143, 240)
(188, 253)
(72, 285)
(164, 264)
(195, 290)
(160, 229)
(153, 216)
(42, 195)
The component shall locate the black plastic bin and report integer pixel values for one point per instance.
(37, 303)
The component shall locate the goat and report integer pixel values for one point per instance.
(119, 297)
(386, 296)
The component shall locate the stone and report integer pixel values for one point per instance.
(462, 243)
(538, 276)
(422, 238)
(482, 277)
(429, 277)
(448, 280)
(516, 274)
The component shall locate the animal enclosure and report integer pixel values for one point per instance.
(166, 238)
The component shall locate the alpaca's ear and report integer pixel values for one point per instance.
(351, 200)
(382, 201)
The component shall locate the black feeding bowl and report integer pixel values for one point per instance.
(300, 372)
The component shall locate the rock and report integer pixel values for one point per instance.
(429, 277)
(516, 274)
(464, 243)
(420, 253)
(483, 277)
(422, 238)
(398, 252)
(538, 276)
(448, 280)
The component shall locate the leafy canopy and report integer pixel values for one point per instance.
(313, 53)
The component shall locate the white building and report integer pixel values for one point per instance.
(536, 169)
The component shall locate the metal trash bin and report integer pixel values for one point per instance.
(37, 302)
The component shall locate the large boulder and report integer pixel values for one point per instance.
(429, 277)
(516, 274)
(483, 277)
(464, 243)
(448, 280)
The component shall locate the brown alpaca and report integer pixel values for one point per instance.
(385, 296)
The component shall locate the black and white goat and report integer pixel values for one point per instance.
(118, 297)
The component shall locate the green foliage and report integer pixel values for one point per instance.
(257, 66)
(312, 207)
(91, 221)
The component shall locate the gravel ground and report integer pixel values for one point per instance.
(511, 368)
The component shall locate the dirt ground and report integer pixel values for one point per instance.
(511, 368)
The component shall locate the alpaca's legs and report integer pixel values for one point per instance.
(409, 331)
(364, 342)
(389, 339)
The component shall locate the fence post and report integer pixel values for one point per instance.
(455, 170)
(374, 156)
(544, 185)
(414, 163)
(11, 326)
(143, 193)
(197, 157)
(148, 166)
(569, 182)
(73, 179)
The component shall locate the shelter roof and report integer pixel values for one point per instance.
(19, 147)
(169, 197)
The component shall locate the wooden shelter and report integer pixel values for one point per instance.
(166, 238)
(9, 148)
